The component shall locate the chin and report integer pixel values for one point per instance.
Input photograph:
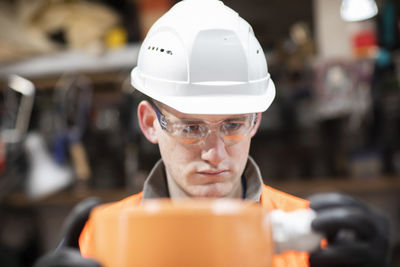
(217, 190)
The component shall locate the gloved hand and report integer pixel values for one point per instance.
(67, 252)
(357, 235)
(65, 257)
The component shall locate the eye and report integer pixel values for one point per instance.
(191, 129)
(232, 126)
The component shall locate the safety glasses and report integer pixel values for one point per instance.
(192, 131)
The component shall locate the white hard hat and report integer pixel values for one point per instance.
(202, 58)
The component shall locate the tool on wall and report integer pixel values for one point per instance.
(18, 103)
(72, 103)
(18, 111)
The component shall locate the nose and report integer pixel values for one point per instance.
(214, 149)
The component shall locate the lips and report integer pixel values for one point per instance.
(208, 175)
(213, 172)
(211, 177)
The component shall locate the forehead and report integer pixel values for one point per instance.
(170, 112)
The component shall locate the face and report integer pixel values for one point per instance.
(210, 168)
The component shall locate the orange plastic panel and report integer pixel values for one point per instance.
(210, 233)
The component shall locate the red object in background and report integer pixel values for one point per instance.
(2, 156)
(154, 5)
(365, 44)
(365, 39)
(150, 11)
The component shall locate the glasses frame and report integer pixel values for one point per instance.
(163, 121)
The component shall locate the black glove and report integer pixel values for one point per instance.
(65, 257)
(67, 252)
(357, 235)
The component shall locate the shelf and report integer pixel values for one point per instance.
(73, 62)
(300, 188)
(67, 197)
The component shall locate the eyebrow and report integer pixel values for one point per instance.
(242, 118)
(190, 121)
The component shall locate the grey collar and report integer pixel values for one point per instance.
(156, 185)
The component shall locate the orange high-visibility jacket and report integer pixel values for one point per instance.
(270, 199)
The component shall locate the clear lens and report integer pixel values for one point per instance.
(191, 132)
(188, 130)
(237, 127)
(232, 130)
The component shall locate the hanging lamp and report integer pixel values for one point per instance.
(356, 10)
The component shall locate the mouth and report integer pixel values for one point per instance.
(213, 172)
(213, 176)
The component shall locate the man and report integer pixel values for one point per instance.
(208, 80)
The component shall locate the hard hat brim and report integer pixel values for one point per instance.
(209, 103)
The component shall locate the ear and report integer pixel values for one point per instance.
(147, 118)
(254, 131)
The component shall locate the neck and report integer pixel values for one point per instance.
(176, 192)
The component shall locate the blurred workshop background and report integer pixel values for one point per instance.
(68, 112)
